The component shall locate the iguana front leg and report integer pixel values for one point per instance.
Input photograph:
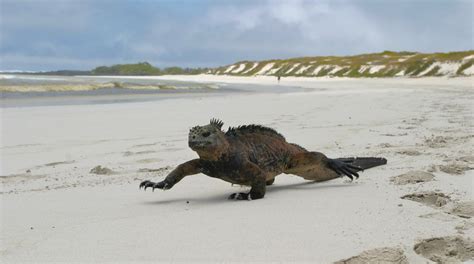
(188, 168)
(258, 183)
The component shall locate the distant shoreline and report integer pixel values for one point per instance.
(206, 81)
(385, 64)
(304, 82)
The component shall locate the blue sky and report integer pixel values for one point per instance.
(83, 34)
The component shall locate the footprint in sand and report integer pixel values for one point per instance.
(59, 163)
(464, 226)
(172, 149)
(453, 168)
(131, 153)
(409, 152)
(384, 145)
(467, 159)
(394, 135)
(378, 255)
(407, 127)
(53, 164)
(437, 141)
(463, 209)
(20, 146)
(19, 177)
(412, 177)
(145, 145)
(450, 249)
(440, 216)
(456, 121)
(444, 141)
(151, 160)
(432, 199)
(101, 170)
(155, 170)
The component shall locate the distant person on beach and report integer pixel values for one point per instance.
(278, 78)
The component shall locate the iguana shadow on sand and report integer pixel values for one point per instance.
(254, 155)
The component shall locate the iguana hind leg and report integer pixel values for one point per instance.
(315, 166)
(256, 192)
(270, 182)
(258, 183)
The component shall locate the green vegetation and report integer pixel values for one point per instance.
(143, 68)
(464, 66)
(61, 73)
(383, 64)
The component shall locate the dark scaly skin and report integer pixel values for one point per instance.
(252, 156)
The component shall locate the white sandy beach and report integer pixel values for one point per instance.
(54, 209)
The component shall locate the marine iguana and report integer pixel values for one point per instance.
(253, 155)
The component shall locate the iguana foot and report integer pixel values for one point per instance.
(240, 196)
(160, 185)
(343, 168)
(270, 182)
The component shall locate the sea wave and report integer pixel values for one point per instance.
(30, 77)
(96, 86)
(7, 76)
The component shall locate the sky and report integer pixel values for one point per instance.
(83, 34)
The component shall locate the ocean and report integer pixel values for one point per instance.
(22, 90)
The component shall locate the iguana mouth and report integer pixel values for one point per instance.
(199, 144)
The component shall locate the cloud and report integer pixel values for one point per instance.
(28, 62)
(297, 27)
(298, 12)
(71, 16)
(53, 34)
(239, 19)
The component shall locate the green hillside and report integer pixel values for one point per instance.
(143, 68)
(384, 64)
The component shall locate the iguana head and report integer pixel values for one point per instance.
(208, 141)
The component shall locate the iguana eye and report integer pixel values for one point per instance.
(206, 134)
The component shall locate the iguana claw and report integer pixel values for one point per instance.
(158, 185)
(344, 169)
(240, 196)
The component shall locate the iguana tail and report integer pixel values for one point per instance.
(364, 162)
